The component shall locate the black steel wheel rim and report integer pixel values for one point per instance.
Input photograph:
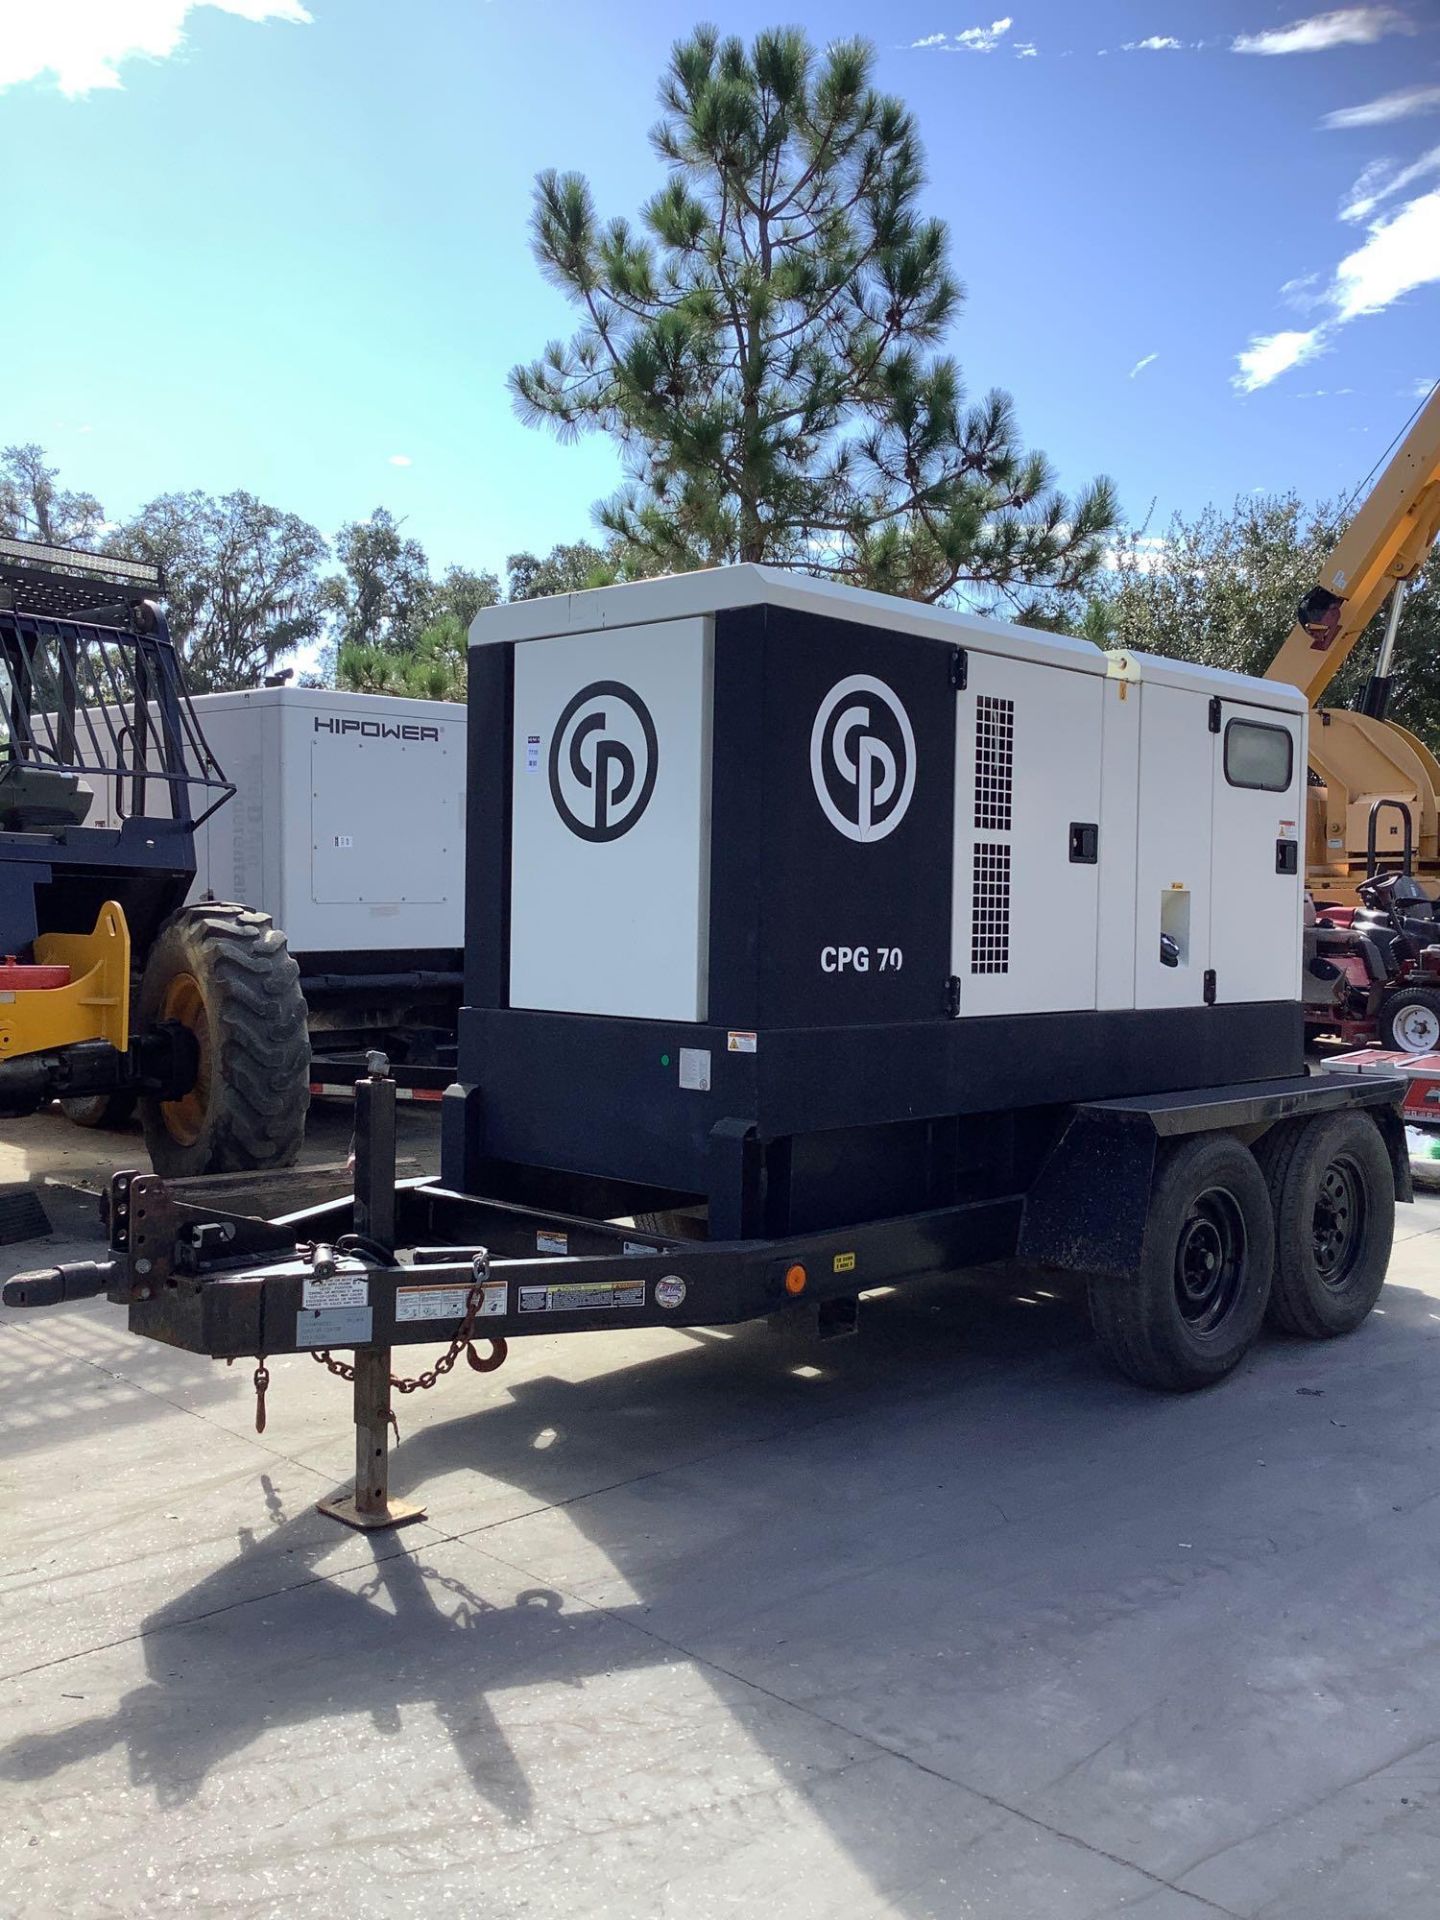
(1339, 1222)
(1210, 1261)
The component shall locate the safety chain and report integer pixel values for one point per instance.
(422, 1382)
(464, 1333)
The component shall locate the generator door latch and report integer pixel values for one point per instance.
(1084, 843)
(1210, 988)
(959, 669)
(1215, 713)
(1287, 856)
(952, 997)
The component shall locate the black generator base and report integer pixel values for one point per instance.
(819, 1127)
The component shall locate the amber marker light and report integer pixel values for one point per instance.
(795, 1279)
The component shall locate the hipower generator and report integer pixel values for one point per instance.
(816, 940)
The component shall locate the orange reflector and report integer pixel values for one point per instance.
(795, 1279)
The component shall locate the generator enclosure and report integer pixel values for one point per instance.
(347, 826)
(779, 892)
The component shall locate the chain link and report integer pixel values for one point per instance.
(422, 1382)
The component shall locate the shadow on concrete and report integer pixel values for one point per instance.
(225, 1667)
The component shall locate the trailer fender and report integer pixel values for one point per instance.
(1087, 1208)
(1391, 1122)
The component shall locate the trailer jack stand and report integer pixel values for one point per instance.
(369, 1506)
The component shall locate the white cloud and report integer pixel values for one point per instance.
(1140, 365)
(1400, 254)
(1390, 106)
(1271, 354)
(1346, 27)
(1157, 43)
(968, 40)
(1026, 50)
(401, 460)
(1378, 183)
(1422, 388)
(82, 43)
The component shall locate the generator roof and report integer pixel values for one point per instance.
(681, 596)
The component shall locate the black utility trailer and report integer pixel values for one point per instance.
(1187, 1235)
(816, 941)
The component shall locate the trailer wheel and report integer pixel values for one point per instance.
(1333, 1192)
(226, 975)
(1195, 1303)
(99, 1109)
(1410, 1020)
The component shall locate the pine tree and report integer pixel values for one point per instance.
(765, 346)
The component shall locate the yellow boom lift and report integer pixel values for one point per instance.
(1359, 759)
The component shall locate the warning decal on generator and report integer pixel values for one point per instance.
(582, 1296)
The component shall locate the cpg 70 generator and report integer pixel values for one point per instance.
(816, 940)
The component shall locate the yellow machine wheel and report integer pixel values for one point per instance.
(225, 975)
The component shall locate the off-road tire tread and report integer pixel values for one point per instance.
(261, 1074)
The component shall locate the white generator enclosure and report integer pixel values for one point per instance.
(347, 826)
(753, 856)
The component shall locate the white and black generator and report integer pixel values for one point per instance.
(776, 886)
(817, 942)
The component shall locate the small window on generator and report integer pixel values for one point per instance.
(1259, 756)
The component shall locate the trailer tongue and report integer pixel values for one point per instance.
(939, 976)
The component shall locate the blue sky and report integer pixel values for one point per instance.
(275, 245)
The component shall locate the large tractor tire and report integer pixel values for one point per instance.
(226, 975)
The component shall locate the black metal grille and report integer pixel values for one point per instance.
(101, 702)
(994, 763)
(990, 909)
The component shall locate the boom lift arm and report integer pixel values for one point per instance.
(1367, 773)
(1384, 546)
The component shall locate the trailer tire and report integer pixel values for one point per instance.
(93, 1110)
(1410, 1020)
(1332, 1189)
(1194, 1305)
(227, 976)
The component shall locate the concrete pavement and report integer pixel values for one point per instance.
(941, 1621)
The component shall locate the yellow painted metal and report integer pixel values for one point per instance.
(1355, 760)
(95, 1005)
(1386, 542)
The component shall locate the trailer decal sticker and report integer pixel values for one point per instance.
(844, 1263)
(532, 753)
(582, 1296)
(741, 1042)
(333, 1327)
(552, 1242)
(447, 1303)
(862, 758)
(341, 1290)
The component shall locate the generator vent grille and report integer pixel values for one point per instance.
(994, 763)
(990, 909)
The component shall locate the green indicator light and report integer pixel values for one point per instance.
(664, 1059)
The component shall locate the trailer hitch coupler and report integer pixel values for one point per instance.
(47, 1286)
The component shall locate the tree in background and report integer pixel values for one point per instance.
(33, 508)
(242, 581)
(383, 593)
(762, 346)
(1222, 589)
(565, 569)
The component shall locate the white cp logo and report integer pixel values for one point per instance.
(862, 758)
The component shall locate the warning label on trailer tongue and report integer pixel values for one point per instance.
(577, 1296)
